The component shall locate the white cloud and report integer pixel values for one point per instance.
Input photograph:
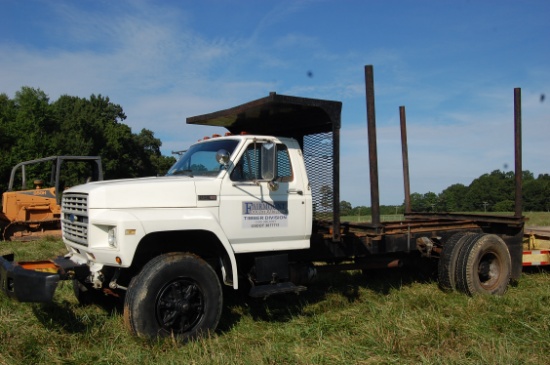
(161, 68)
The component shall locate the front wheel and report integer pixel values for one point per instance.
(175, 294)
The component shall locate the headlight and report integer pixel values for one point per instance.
(111, 237)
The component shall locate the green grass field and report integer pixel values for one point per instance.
(389, 317)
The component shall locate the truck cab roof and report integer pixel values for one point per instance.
(278, 115)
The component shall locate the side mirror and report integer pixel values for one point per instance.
(269, 161)
(222, 156)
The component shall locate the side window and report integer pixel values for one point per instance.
(284, 170)
(248, 167)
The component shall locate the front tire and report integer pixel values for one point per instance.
(175, 294)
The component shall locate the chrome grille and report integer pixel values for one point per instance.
(74, 221)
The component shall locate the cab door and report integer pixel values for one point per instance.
(264, 214)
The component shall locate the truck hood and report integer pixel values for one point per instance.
(150, 192)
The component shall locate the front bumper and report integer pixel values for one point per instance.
(36, 281)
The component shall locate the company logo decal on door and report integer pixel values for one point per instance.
(265, 215)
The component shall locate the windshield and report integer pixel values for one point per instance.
(200, 159)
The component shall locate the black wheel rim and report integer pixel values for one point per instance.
(179, 306)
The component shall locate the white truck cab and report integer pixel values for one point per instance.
(250, 192)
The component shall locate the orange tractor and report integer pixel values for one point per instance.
(34, 209)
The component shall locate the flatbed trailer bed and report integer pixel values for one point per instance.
(536, 246)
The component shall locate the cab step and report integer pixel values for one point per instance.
(264, 291)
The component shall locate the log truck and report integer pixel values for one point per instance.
(257, 208)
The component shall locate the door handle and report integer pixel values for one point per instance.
(295, 191)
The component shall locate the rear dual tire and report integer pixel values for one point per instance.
(448, 259)
(484, 266)
(475, 264)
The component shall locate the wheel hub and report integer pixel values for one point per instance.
(179, 305)
(488, 270)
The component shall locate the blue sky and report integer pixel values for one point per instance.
(452, 64)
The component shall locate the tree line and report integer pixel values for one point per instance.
(492, 192)
(32, 127)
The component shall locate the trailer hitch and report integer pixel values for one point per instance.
(426, 246)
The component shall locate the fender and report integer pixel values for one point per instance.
(133, 225)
